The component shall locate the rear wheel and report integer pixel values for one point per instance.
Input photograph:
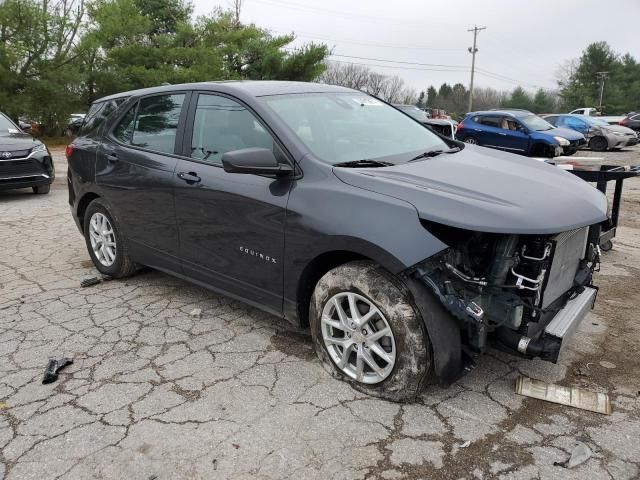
(41, 189)
(107, 247)
(598, 144)
(367, 331)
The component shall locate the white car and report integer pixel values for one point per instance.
(593, 112)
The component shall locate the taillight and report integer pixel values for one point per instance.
(623, 121)
(459, 127)
(68, 151)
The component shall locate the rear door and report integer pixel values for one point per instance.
(134, 171)
(490, 133)
(231, 225)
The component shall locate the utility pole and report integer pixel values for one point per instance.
(473, 50)
(602, 76)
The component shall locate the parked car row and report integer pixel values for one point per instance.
(522, 132)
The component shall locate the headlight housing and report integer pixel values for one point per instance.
(619, 134)
(41, 147)
(562, 141)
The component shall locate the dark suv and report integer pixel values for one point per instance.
(330, 208)
(24, 161)
(518, 131)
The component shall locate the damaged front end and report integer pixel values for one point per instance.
(527, 293)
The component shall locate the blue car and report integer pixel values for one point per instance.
(518, 131)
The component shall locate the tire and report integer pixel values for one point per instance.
(406, 343)
(471, 140)
(114, 262)
(598, 144)
(41, 189)
(568, 153)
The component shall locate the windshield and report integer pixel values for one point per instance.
(345, 127)
(6, 125)
(533, 122)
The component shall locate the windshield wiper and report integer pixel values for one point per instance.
(363, 163)
(434, 153)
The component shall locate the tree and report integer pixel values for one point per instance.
(359, 77)
(420, 103)
(580, 83)
(519, 99)
(432, 96)
(543, 102)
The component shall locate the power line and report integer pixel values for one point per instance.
(399, 67)
(368, 44)
(399, 61)
(347, 15)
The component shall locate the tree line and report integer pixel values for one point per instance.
(57, 56)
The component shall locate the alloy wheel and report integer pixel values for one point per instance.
(358, 338)
(103, 239)
(471, 141)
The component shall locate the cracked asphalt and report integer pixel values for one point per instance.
(155, 393)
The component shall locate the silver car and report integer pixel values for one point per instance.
(600, 135)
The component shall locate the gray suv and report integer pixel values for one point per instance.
(402, 251)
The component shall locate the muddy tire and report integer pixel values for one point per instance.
(388, 330)
(41, 189)
(105, 242)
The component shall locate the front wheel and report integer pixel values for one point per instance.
(471, 141)
(367, 331)
(598, 144)
(41, 189)
(107, 246)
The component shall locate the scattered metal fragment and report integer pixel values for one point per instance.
(235, 445)
(89, 281)
(606, 364)
(583, 371)
(580, 454)
(196, 313)
(465, 444)
(53, 367)
(571, 396)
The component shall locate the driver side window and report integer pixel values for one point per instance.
(223, 125)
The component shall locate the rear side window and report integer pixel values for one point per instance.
(222, 125)
(490, 121)
(155, 125)
(97, 114)
(124, 130)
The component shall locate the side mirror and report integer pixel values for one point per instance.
(256, 161)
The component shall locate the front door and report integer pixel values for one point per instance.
(231, 225)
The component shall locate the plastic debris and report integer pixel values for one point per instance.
(606, 364)
(196, 313)
(580, 454)
(571, 396)
(53, 367)
(89, 281)
(465, 444)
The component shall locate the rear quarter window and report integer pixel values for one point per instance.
(97, 114)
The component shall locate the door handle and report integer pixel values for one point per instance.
(503, 134)
(189, 177)
(112, 157)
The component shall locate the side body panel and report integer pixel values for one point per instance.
(326, 215)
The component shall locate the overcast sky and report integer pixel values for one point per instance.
(525, 41)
